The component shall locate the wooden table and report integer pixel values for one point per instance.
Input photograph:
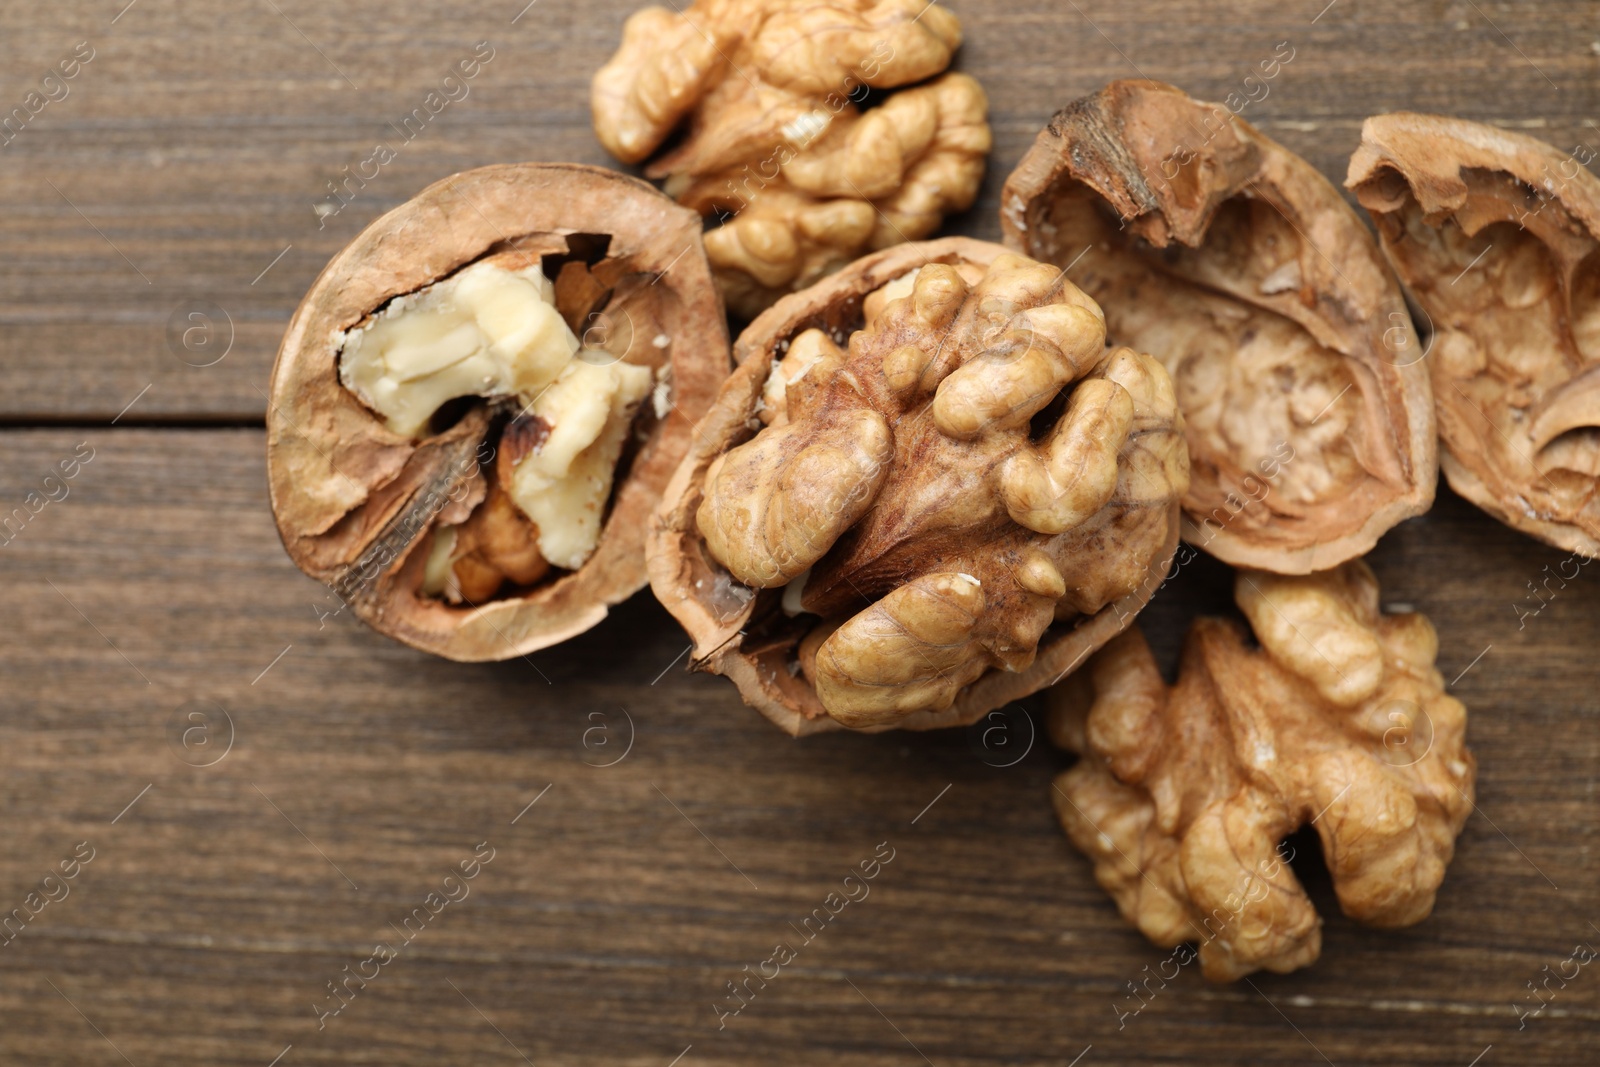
(267, 790)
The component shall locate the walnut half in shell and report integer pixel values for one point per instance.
(480, 399)
(1337, 720)
(945, 495)
(1244, 271)
(1497, 236)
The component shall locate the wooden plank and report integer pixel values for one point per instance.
(182, 171)
(189, 153)
(221, 899)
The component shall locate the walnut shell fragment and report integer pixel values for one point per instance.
(382, 507)
(945, 495)
(1497, 237)
(1338, 719)
(779, 139)
(1243, 270)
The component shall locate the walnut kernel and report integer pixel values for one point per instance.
(769, 96)
(1338, 720)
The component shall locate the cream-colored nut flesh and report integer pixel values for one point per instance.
(485, 331)
(437, 577)
(488, 331)
(563, 485)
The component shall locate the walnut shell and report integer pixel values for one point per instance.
(898, 536)
(355, 502)
(1239, 266)
(1497, 237)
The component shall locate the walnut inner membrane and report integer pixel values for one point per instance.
(1276, 423)
(1245, 272)
(1509, 276)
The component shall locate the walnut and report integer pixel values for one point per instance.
(459, 440)
(768, 94)
(498, 543)
(945, 495)
(1497, 236)
(1337, 719)
(1243, 270)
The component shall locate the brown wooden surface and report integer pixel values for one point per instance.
(220, 903)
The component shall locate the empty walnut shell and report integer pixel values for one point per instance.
(355, 503)
(1497, 236)
(853, 562)
(1234, 262)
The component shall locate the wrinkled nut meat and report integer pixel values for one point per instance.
(478, 404)
(928, 489)
(1497, 236)
(767, 95)
(1337, 719)
(1243, 270)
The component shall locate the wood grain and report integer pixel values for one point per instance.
(192, 149)
(221, 899)
(618, 906)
